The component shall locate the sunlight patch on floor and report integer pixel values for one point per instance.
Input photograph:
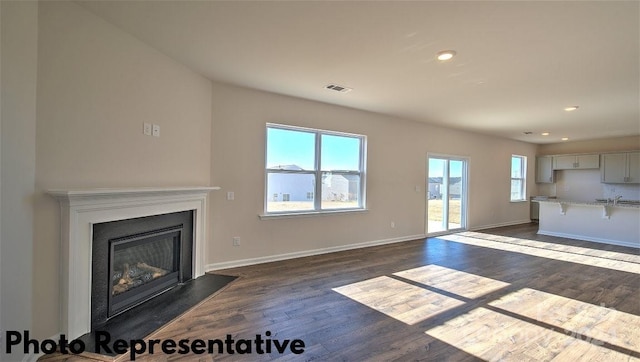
(574, 317)
(402, 301)
(597, 258)
(453, 281)
(613, 255)
(564, 329)
(494, 336)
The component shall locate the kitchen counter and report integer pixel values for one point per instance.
(597, 221)
(625, 203)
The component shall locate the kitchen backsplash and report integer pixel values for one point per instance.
(627, 191)
(585, 185)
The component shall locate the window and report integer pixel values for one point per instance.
(518, 178)
(303, 163)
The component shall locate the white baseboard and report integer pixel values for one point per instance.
(499, 225)
(300, 254)
(588, 238)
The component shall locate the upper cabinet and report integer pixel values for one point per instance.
(576, 162)
(619, 168)
(544, 169)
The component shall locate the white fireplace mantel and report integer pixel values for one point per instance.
(80, 209)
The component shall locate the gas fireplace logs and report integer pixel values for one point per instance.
(135, 275)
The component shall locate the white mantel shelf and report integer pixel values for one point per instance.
(80, 209)
(110, 194)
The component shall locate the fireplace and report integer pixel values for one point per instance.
(141, 266)
(135, 259)
(170, 220)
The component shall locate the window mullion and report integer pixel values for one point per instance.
(317, 200)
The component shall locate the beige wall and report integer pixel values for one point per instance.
(602, 145)
(18, 73)
(397, 155)
(96, 87)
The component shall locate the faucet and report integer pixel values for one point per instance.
(616, 199)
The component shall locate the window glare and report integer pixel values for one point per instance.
(288, 149)
(516, 167)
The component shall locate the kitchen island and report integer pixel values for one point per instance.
(603, 222)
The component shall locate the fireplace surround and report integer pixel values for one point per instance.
(81, 209)
(136, 259)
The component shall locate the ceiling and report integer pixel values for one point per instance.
(518, 63)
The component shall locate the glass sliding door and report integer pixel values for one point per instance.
(446, 196)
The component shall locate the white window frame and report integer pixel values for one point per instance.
(317, 172)
(523, 178)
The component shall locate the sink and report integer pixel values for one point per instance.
(620, 202)
(629, 202)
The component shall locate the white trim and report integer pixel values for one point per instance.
(80, 209)
(499, 225)
(445, 232)
(301, 254)
(288, 215)
(588, 238)
(317, 171)
(465, 179)
(523, 174)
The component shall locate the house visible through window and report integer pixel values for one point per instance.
(302, 164)
(518, 178)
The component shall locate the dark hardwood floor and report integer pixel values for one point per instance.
(432, 299)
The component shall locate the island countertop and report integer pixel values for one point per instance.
(598, 221)
(622, 203)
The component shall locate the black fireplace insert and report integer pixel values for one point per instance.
(134, 260)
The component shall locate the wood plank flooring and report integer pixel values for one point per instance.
(433, 299)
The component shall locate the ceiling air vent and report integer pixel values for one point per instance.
(338, 88)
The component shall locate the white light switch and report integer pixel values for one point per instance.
(231, 195)
(146, 129)
(156, 130)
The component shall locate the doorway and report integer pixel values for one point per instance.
(447, 194)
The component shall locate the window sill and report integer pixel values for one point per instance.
(288, 215)
(518, 201)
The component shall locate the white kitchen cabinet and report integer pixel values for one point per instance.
(576, 162)
(620, 168)
(544, 169)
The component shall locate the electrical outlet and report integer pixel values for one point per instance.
(146, 129)
(156, 130)
(236, 241)
(393, 224)
(231, 196)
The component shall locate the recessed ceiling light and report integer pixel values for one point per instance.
(445, 55)
(565, 138)
(570, 108)
(545, 133)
